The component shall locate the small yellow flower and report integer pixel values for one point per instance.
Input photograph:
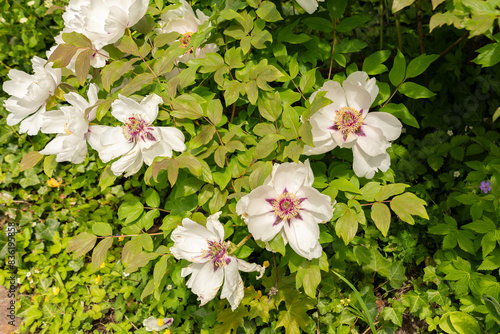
(259, 294)
(266, 264)
(46, 298)
(103, 265)
(167, 331)
(121, 238)
(53, 183)
(55, 290)
(97, 279)
(160, 322)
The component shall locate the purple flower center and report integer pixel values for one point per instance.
(135, 128)
(348, 120)
(217, 253)
(286, 206)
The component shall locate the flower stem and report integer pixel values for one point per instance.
(241, 243)
(387, 201)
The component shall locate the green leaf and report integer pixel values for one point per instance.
(258, 176)
(311, 277)
(63, 55)
(372, 65)
(350, 23)
(489, 55)
(77, 39)
(397, 5)
(278, 244)
(318, 23)
(435, 162)
(295, 317)
(418, 65)
(49, 164)
(336, 8)
(397, 73)
(307, 81)
(107, 178)
(30, 160)
(152, 198)
(459, 322)
(137, 83)
(130, 210)
(214, 111)
(381, 216)
(347, 226)
(229, 320)
(268, 12)
(390, 190)
(190, 162)
(493, 307)
(186, 106)
(102, 229)
(127, 45)
(114, 71)
(415, 91)
(139, 260)
(394, 314)
(267, 145)
(81, 244)
(99, 253)
(407, 205)
(401, 112)
(270, 106)
(345, 185)
(397, 275)
(160, 270)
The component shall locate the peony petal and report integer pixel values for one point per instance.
(190, 241)
(160, 149)
(124, 107)
(373, 142)
(309, 6)
(289, 176)
(319, 205)
(366, 166)
(215, 226)
(387, 123)
(174, 137)
(336, 93)
(257, 200)
(361, 78)
(233, 289)
(357, 96)
(150, 106)
(204, 281)
(250, 267)
(303, 236)
(130, 163)
(263, 226)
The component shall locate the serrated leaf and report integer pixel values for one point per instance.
(295, 317)
(229, 320)
(435, 162)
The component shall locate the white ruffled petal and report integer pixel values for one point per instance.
(190, 241)
(366, 166)
(263, 226)
(233, 289)
(204, 281)
(357, 97)
(289, 176)
(373, 142)
(303, 236)
(387, 123)
(319, 205)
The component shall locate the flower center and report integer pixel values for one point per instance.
(160, 322)
(286, 206)
(135, 128)
(348, 120)
(66, 129)
(217, 252)
(186, 40)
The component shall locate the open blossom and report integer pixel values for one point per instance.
(103, 21)
(71, 124)
(309, 6)
(184, 21)
(485, 186)
(29, 94)
(346, 123)
(137, 140)
(212, 265)
(153, 324)
(288, 204)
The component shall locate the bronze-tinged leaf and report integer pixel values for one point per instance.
(136, 83)
(62, 55)
(127, 45)
(99, 253)
(30, 160)
(82, 65)
(114, 71)
(77, 39)
(81, 244)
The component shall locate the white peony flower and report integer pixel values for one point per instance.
(153, 324)
(288, 204)
(72, 127)
(309, 6)
(103, 21)
(346, 123)
(184, 21)
(212, 265)
(136, 141)
(29, 94)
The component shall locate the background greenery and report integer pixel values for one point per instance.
(437, 275)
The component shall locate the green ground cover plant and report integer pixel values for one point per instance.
(251, 166)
